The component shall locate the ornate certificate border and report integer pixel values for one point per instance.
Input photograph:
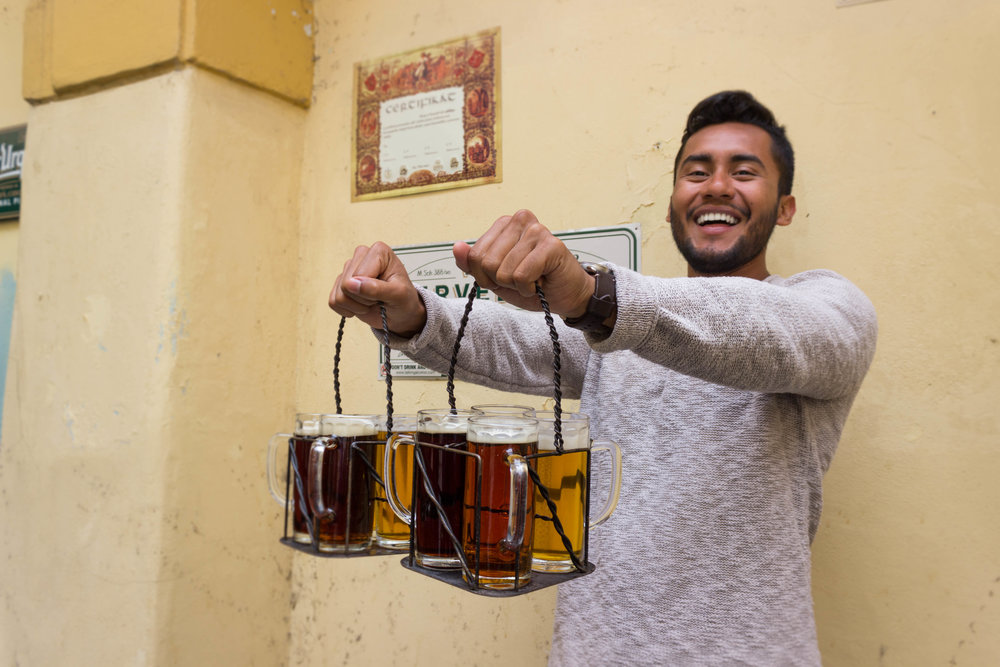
(434, 77)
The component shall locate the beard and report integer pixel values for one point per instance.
(712, 262)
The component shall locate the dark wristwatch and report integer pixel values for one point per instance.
(602, 305)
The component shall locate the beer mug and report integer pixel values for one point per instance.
(504, 409)
(391, 532)
(564, 476)
(285, 453)
(341, 483)
(499, 511)
(440, 442)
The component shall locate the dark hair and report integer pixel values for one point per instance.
(737, 106)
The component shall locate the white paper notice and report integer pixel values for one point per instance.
(422, 132)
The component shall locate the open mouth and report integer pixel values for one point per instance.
(716, 218)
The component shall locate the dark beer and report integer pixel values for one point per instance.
(281, 478)
(347, 488)
(500, 564)
(301, 444)
(446, 474)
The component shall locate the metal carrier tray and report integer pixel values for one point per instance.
(539, 580)
(312, 550)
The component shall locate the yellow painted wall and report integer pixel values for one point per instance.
(183, 230)
(153, 346)
(82, 47)
(892, 120)
(13, 108)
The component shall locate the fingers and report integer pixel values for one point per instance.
(497, 260)
(347, 298)
(516, 253)
(375, 275)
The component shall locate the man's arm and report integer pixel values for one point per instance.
(813, 334)
(503, 348)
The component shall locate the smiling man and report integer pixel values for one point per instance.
(727, 391)
(732, 185)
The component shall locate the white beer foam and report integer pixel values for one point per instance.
(452, 427)
(308, 427)
(573, 438)
(501, 438)
(351, 429)
(400, 422)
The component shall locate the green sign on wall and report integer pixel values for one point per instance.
(11, 158)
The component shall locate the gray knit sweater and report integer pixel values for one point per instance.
(728, 397)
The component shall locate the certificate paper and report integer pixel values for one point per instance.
(427, 119)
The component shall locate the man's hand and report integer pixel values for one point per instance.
(518, 251)
(375, 274)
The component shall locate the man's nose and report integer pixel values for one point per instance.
(720, 184)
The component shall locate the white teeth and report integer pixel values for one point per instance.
(716, 217)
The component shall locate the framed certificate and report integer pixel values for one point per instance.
(428, 119)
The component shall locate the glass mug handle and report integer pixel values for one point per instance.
(616, 478)
(277, 459)
(389, 476)
(518, 514)
(315, 486)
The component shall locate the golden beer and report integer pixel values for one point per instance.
(564, 476)
(391, 532)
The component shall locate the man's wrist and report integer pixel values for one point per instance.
(585, 293)
(602, 307)
(415, 322)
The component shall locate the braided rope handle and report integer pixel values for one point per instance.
(556, 352)
(473, 292)
(387, 369)
(386, 366)
(557, 394)
(336, 365)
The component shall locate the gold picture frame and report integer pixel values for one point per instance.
(427, 119)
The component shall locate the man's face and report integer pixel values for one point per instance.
(725, 202)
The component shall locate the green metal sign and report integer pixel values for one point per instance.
(433, 266)
(11, 158)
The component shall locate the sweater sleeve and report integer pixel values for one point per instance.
(812, 334)
(502, 348)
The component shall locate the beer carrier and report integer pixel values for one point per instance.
(468, 575)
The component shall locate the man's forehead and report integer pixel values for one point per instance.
(726, 141)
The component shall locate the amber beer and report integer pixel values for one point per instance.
(564, 476)
(341, 486)
(493, 438)
(392, 532)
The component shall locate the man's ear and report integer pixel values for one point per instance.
(786, 210)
